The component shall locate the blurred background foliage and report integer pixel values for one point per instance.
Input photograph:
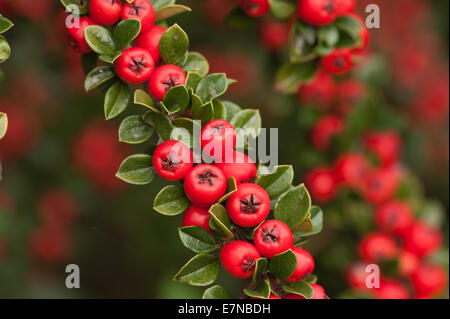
(123, 247)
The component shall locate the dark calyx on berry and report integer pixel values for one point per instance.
(249, 205)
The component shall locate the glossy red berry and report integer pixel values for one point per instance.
(239, 258)
(105, 12)
(317, 12)
(384, 145)
(204, 185)
(242, 168)
(218, 139)
(408, 263)
(172, 160)
(255, 8)
(321, 183)
(196, 216)
(324, 130)
(304, 267)
(141, 10)
(351, 168)
(164, 78)
(377, 247)
(345, 6)
(429, 280)
(135, 65)
(394, 216)
(356, 276)
(150, 41)
(249, 205)
(339, 61)
(76, 35)
(380, 185)
(391, 289)
(422, 239)
(273, 237)
(274, 35)
(321, 92)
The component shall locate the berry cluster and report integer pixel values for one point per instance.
(226, 201)
(400, 236)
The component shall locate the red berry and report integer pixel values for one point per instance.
(304, 267)
(356, 276)
(377, 247)
(105, 12)
(273, 237)
(218, 139)
(249, 205)
(324, 130)
(172, 160)
(50, 244)
(319, 292)
(338, 62)
(57, 207)
(164, 78)
(196, 216)
(351, 168)
(150, 41)
(76, 35)
(345, 6)
(363, 33)
(255, 8)
(350, 93)
(422, 239)
(391, 289)
(380, 185)
(408, 263)
(320, 92)
(429, 280)
(204, 185)
(394, 216)
(242, 168)
(239, 258)
(317, 12)
(321, 183)
(135, 65)
(385, 145)
(141, 10)
(274, 35)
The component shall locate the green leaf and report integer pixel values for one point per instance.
(173, 45)
(290, 76)
(126, 31)
(282, 9)
(201, 270)
(170, 11)
(329, 35)
(3, 124)
(171, 201)
(316, 223)
(143, 98)
(261, 291)
(203, 112)
(161, 123)
(278, 181)
(215, 292)
(98, 76)
(197, 239)
(212, 86)
(221, 220)
(137, 169)
(5, 24)
(100, 40)
(5, 49)
(176, 99)
(157, 4)
(133, 130)
(192, 80)
(301, 288)
(283, 265)
(117, 99)
(237, 19)
(302, 42)
(188, 124)
(196, 62)
(261, 267)
(231, 188)
(247, 124)
(82, 5)
(220, 111)
(232, 109)
(293, 206)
